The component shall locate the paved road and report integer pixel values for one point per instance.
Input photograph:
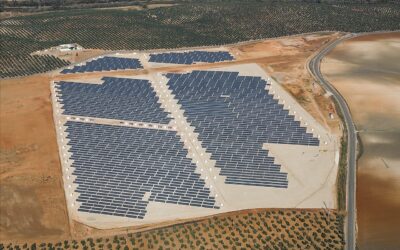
(314, 67)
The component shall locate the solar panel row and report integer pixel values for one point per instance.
(234, 115)
(191, 57)
(116, 98)
(105, 64)
(116, 166)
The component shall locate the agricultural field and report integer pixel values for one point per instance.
(186, 25)
(254, 229)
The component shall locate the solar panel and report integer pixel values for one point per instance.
(234, 115)
(116, 98)
(105, 64)
(191, 57)
(116, 166)
(119, 170)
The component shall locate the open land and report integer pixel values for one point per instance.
(366, 71)
(29, 147)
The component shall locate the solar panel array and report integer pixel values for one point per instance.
(234, 115)
(191, 57)
(119, 169)
(106, 63)
(116, 98)
(116, 166)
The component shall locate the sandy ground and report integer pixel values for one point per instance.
(366, 70)
(26, 120)
(31, 203)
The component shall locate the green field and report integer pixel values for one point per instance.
(177, 26)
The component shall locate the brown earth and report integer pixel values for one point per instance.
(366, 71)
(32, 198)
(30, 173)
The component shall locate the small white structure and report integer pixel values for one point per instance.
(69, 47)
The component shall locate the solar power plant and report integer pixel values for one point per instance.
(191, 57)
(116, 98)
(105, 64)
(120, 169)
(115, 166)
(234, 115)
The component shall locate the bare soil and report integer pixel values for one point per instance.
(31, 196)
(30, 174)
(366, 71)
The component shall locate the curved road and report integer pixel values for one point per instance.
(314, 67)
